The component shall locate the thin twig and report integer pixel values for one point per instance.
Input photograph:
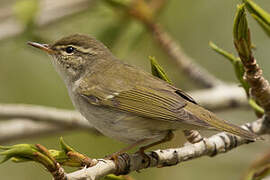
(259, 86)
(18, 121)
(221, 97)
(68, 118)
(126, 163)
(51, 11)
(197, 73)
(17, 129)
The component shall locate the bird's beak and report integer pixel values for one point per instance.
(44, 47)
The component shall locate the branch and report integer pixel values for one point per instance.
(16, 129)
(126, 163)
(51, 11)
(259, 86)
(198, 74)
(20, 121)
(32, 120)
(221, 97)
(194, 71)
(68, 118)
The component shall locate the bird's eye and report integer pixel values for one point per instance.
(69, 49)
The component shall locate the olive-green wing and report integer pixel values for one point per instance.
(143, 101)
(125, 88)
(148, 103)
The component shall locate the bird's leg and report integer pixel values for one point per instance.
(192, 136)
(127, 148)
(167, 138)
(115, 155)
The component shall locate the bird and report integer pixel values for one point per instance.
(123, 101)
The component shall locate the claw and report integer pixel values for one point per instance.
(114, 158)
(146, 158)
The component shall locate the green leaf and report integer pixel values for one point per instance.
(26, 152)
(68, 157)
(255, 106)
(38, 153)
(239, 72)
(20, 151)
(224, 53)
(259, 14)
(237, 65)
(240, 28)
(243, 46)
(157, 70)
(241, 34)
(62, 158)
(265, 26)
(257, 10)
(65, 146)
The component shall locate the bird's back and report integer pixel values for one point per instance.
(126, 88)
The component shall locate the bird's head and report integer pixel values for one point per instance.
(72, 54)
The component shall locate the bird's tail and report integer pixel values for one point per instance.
(233, 129)
(213, 121)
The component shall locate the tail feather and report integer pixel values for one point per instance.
(233, 129)
(214, 122)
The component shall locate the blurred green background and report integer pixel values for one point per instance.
(27, 76)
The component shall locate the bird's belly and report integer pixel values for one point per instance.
(122, 126)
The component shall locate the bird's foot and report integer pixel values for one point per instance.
(115, 158)
(146, 159)
(193, 136)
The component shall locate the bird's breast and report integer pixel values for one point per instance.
(119, 125)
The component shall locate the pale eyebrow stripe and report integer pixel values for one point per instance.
(81, 49)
